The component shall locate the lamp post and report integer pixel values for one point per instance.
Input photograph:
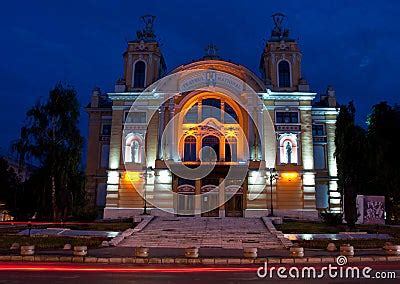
(272, 176)
(145, 190)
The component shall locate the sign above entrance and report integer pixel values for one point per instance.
(199, 80)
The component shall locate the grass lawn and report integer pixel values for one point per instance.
(8, 234)
(48, 243)
(101, 226)
(358, 244)
(301, 227)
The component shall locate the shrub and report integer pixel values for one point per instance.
(332, 219)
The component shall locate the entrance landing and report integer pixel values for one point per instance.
(183, 232)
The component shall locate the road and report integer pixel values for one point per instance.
(72, 273)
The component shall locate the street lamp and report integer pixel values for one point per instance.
(272, 176)
(145, 190)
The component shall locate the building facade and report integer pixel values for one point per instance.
(270, 130)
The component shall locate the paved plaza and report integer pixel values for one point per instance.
(183, 232)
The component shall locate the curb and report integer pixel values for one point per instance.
(191, 261)
(278, 234)
(127, 233)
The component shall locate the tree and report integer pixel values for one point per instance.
(9, 185)
(351, 157)
(383, 129)
(51, 136)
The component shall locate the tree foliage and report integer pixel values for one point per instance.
(52, 138)
(368, 160)
(383, 130)
(351, 156)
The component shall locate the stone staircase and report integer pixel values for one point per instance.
(183, 232)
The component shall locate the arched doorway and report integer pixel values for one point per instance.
(210, 149)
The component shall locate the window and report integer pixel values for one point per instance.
(287, 117)
(319, 157)
(318, 130)
(284, 74)
(140, 75)
(105, 154)
(322, 196)
(211, 108)
(210, 148)
(106, 129)
(135, 117)
(231, 149)
(190, 149)
(231, 116)
(191, 115)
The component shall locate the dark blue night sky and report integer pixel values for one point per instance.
(353, 45)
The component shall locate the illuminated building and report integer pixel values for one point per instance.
(127, 156)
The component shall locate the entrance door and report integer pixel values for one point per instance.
(209, 205)
(185, 205)
(234, 206)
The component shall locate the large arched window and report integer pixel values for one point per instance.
(140, 74)
(230, 114)
(192, 115)
(211, 108)
(284, 74)
(190, 149)
(210, 148)
(231, 149)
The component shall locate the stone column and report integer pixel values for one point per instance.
(172, 128)
(197, 198)
(307, 150)
(334, 194)
(112, 198)
(260, 131)
(161, 126)
(221, 192)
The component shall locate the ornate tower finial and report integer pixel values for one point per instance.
(211, 52)
(147, 33)
(278, 32)
(278, 19)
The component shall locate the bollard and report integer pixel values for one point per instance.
(392, 249)
(67, 247)
(142, 252)
(192, 252)
(346, 250)
(331, 247)
(250, 252)
(296, 251)
(15, 246)
(28, 250)
(386, 245)
(80, 250)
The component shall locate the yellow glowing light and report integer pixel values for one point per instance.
(132, 176)
(289, 176)
(230, 133)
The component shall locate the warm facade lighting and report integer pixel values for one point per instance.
(132, 176)
(289, 176)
